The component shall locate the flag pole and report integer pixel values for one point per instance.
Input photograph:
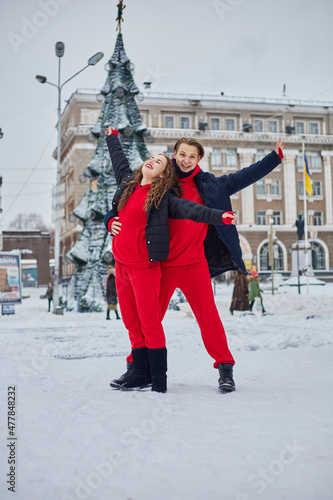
(305, 220)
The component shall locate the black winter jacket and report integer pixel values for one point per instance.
(157, 228)
(222, 247)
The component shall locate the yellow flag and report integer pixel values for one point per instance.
(308, 180)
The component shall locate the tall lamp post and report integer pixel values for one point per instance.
(60, 50)
(271, 251)
(1, 136)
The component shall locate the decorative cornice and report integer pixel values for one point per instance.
(68, 136)
(235, 136)
(196, 98)
(243, 228)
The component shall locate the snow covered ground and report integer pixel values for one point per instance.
(78, 439)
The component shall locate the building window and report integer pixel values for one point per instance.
(299, 160)
(264, 257)
(215, 123)
(300, 128)
(315, 160)
(276, 216)
(316, 188)
(317, 218)
(261, 218)
(318, 256)
(272, 126)
(216, 158)
(300, 188)
(231, 158)
(169, 152)
(260, 153)
(314, 128)
(260, 187)
(169, 122)
(258, 125)
(275, 187)
(184, 122)
(230, 123)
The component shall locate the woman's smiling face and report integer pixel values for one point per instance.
(154, 166)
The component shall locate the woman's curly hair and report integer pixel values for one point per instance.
(158, 188)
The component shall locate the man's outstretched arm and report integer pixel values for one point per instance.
(246, 176)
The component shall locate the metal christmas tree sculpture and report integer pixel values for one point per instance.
(92, 251)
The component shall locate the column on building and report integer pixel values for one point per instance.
(290, 188)
(328, 186)
(205, 161)
(246, 157)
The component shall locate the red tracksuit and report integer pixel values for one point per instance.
(186, 268)
(137, 281)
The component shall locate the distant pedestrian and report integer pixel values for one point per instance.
(254, 290)
(49, 294)
(111, 293)
(240, 294)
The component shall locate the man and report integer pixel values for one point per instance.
(199, 252)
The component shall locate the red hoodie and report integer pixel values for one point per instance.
(129, 247)
(186, 236)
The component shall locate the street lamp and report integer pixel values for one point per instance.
(60, 50)
(271, 251)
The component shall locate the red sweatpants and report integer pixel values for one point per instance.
(195, 283)
(138, 294)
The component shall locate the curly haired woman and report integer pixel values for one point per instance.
(141, 208)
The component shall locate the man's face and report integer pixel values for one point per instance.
(187, 157)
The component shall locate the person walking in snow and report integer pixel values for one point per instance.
(198, 253)
(141, 208)
(111, 293)
(240, 294)
(49, 295)
(254, 290)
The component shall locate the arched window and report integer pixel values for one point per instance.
(318, 255)
(264, 257)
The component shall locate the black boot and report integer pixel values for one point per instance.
(118, 382)
(107, 314)
(226, 381)
(158, 368)
(139, 378)
(117, 315)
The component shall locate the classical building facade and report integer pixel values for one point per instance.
(235, 133)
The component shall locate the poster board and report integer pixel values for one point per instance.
(10, 278)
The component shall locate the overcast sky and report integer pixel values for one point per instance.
(241, 47)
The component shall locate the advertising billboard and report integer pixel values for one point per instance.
(10, 278)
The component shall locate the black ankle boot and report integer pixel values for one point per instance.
(118, 382)
(138, 380)
(158, 368)
(226, 381)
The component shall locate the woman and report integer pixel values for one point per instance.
(240, 295)
(254, 290)
(142, 205)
